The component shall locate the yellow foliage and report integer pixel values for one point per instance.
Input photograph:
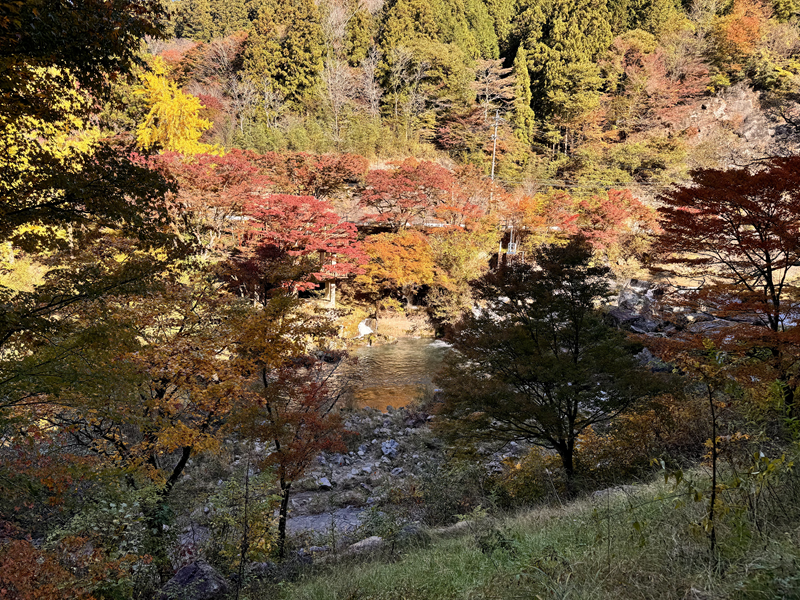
(667, 427)
(24, 137)
(173, 122)
(19, 273)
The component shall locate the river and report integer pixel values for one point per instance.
(397, 374)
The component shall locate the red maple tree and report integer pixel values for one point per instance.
(737, 233)
(295, 242)
(406, 193)
(212, 193)
(321, 176)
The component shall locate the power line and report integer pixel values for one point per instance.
(587, 184)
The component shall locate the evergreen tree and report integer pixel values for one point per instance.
(565, 39)
(231, 16)
(284, 52)
(785, 9)
(619, 16)
(358, 37)
(654, 16)
(482, 23)
(405, 21)
(502, 13)
(467, 24)
(196, 20)
(204, 20)
(523, 118)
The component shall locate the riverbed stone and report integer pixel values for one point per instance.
(196, 581)
(413, 534)
(369, 544)
(390, 448)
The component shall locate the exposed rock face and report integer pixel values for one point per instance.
(197, 581)
(736, 124)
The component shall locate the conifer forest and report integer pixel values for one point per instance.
(579, 218)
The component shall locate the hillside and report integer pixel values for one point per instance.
(208, 206)
(589, 94)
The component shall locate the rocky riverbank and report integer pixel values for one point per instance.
(387, 450)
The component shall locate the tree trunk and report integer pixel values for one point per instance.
(157, 516)
(408, 294)
(284, 511)
(566, 452)
(787, 390)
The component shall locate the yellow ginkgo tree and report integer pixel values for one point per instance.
(173, 122)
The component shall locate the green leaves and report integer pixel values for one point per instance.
(284, 53)
(538, 363)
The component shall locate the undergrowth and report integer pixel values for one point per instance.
(646, 543)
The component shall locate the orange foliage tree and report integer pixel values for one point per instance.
(401, 261)
(616, 224)
(152, 387)
(735, 34)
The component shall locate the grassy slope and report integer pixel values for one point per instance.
(589, 549)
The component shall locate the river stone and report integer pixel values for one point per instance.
(197, 581)
(390, 448)
(368, 545)
(325, 483)
(413, 534)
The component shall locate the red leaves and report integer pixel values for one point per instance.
(407, 193)
(212, 193)
(301, 229)
(319, 176)
(742, 231)
(296, 414)
(609, 221)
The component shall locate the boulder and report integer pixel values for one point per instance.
(367, 545)
(413, 535)
(639, 295)
(196, 581)
(631, 321)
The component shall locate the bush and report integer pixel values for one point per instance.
(451, 490)
(538, 476)
(668, 428)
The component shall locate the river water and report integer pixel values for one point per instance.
(397, 374)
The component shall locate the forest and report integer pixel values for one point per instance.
(208, 206)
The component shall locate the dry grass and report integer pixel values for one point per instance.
(623, 545)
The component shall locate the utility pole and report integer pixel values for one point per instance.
(491, 190)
